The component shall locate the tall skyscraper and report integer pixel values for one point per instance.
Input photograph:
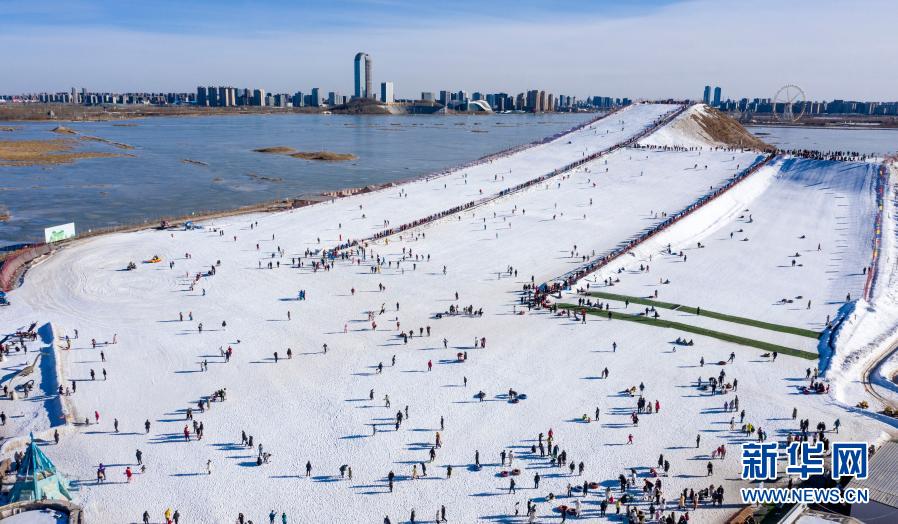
(258, 97)
(363, 76)
(386, 92)
(717, 96)
(706, 98)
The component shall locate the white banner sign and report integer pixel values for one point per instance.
(60, 232)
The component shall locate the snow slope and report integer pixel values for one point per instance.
(700, 126)
(317, 406)
(802, 203)
(684, 131)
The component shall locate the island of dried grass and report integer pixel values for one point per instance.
(327, 156)
(45, 152)
(276, 150)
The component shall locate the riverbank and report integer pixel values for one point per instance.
(77, 113)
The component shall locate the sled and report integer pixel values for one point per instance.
(153, 260)
(566, 509)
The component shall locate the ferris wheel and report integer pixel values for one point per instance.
(793, 101)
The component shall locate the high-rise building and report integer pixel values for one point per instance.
(706, 98)
(532, 100)
(427, 96)
(201, 96)
(315, 97)
(362, 68)
(258, 97)
(386, 92)
(717, 96)
(445, 97)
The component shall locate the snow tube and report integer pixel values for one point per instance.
(515, 472)
(593, 485)
(504, 474)
(562, 509)
(522, 396)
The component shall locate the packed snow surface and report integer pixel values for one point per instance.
(328, 408)
(36, 517)
(806, 239)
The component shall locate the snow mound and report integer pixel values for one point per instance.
(702, 126)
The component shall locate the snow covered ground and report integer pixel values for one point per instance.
(318, 406)
(684, 131)
(808, 203)
(37, 517)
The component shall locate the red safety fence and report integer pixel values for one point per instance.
(882, 183)
(16, 262)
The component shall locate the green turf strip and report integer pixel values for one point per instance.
(657, 322)
(712, 314)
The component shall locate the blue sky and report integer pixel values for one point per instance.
(626, 48)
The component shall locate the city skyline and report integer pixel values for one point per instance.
(638, 50)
